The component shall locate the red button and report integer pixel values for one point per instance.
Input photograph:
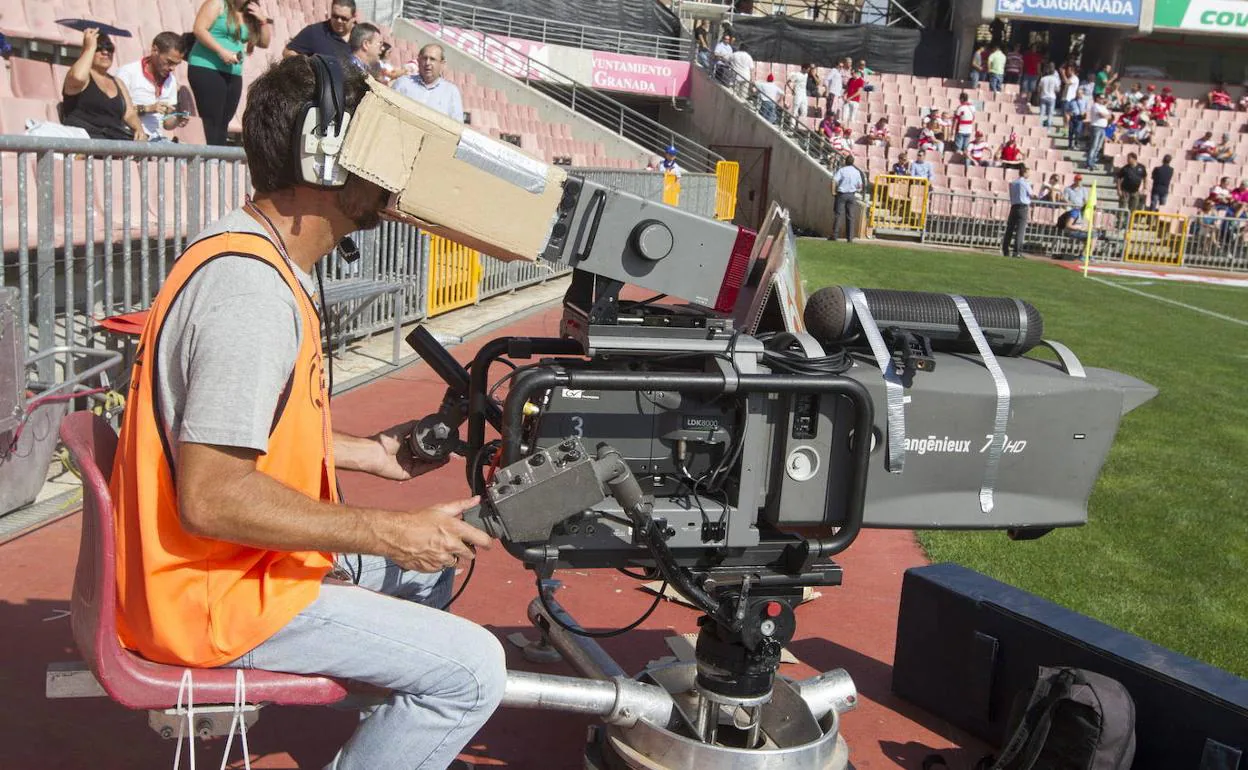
(773, 609)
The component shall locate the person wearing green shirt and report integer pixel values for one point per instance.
(996, 68)
(1104, 79)
(225, 32)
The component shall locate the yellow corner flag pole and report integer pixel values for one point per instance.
(1089, 216)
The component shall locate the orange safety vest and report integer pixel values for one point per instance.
(190, 600)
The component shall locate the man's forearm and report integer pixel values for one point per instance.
(353, 453)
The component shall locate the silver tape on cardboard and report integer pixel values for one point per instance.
(501, 160)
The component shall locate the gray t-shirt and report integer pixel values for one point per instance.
(228, 347)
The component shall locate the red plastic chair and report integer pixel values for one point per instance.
(127, 678)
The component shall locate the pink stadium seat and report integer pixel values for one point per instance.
(33, 80)
(17, 111)
(42, 16)
(6, 80)
(13, 19)
(192, 132)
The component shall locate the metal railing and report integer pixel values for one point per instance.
(90, 229)
(495, 22)
(810, 140)
(587, 101)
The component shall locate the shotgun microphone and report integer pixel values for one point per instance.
(1011, 326)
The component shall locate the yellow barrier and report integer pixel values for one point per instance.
(454, 276)
(899, 203)
(671, 189)
(1154, 238)
(726, 175)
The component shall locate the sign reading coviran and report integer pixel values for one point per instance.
(1218, 17)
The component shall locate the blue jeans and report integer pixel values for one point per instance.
(1094, 148)
(994, 82)
(960, 141)
(704, 59)
(1028, 84)
(1046, 110)
(447, 674)
(975, 76)
(1074, 130)
(1158, 199)
(767, 109)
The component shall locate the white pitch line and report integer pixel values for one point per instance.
(1174, 302)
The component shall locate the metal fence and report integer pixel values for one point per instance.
(978, 221)
(90, 228)
(587, 101)
(551, 31)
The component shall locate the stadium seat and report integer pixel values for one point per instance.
(13, 19)
(17, 111)
(33, 80)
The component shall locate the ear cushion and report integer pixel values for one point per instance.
(323, 116)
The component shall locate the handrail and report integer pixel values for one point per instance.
(585, 100)
(465, 16)
(117, 148)
(810, 140)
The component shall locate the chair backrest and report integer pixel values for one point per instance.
(92, 444)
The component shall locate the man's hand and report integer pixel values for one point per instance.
(432, 539)
(383, 454)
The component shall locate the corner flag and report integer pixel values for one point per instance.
(1089, 216)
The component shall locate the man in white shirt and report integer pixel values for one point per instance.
(1098, 121)
(742, 68)
(964, 117)
(847, 182)
(1070, 80)
(429, 87)
(772, 96)
(153, 87)
(795, 88)
(722, 57)
(834, 87)
(1048, 87)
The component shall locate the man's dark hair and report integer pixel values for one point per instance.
(342, 4)
(962, 97)
(1132, 156)
(361, 34)
(743, 48)
(170, 41)
(274, 102)
(1166, 160)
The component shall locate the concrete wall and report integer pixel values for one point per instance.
(795, 180)
(516, 92)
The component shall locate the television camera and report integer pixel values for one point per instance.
(733, 443)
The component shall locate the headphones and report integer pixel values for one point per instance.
(321, 126)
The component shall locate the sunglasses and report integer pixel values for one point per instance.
(343, 19)
(105, 51)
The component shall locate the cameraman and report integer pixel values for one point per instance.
(224, 483)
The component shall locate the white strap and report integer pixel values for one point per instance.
(1002, 417)
(186, 688)
(238, 723)
(895, 459)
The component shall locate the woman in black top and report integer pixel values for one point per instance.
(94, 100)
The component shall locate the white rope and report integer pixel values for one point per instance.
(237, 722)
(186, 688)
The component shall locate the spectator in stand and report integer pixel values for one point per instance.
(1133, 125)
(429, 87)
(1150, 97)
(979, 65)
(1135, 97)
(723, 58)
(1020, 208)
(920, 167)
(94, 100)
(1098, 121)
(1225, 151)
(1160, 191)
(1104, 79)
(1014, 66)
(702, 43)
(770, 96)
(1033, 62)
(978, 152)
(1209, 226)
(1130, 183)
(847, 182)
(1243, 101)
(834, 87)
(866, 71)
(843, 142)
(1051, 191)
(365, 42)
(1219, 98)
(1076, 120)
(812, 81)
(902, 166)
(328, 38)
(879, 134)
(928, 140)
(1011, 155)
(1220, 195)
(742, 68)
(795, 90)
(153, 88)
(854, 89)
(1115, 99)
(996, 68)
(964, 117)
(1240, 193)
(385, 68)
(1070, 82)
(225, 32)
(1075, 196)
(829, 126)
(1204, 148)
(1048, 87)
(1159, 111)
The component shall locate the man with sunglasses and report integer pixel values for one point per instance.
(328, 38)
(154, 88)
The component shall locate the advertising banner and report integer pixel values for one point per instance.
(1111, 13)
(640, 74)
(1217, 17)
